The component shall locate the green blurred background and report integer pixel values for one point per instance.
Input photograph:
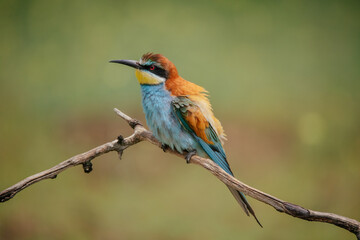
(284, 79)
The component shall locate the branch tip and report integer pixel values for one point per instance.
(6, 196)
(120, 153)
(141, 134)
(132, 122)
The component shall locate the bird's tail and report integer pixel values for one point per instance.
(240, 197)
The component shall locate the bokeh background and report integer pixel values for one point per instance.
(284, 79)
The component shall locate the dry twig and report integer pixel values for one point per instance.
(141, 134)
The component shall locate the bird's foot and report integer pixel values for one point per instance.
(164, 147)
(189, 155)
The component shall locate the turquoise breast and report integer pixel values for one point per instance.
(161, 120)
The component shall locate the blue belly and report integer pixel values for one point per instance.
(156, 101)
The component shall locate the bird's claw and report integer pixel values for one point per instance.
(164, 147)
(189, 155)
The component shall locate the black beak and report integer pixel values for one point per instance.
(130, 63)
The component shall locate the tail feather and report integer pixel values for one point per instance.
(241, 199)
(207, 138)
(238, 198)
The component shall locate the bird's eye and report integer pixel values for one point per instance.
(152, 67)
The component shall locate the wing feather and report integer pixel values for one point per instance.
(193, 120)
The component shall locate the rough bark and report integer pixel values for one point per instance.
(142, 134)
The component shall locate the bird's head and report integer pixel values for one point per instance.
(152, 69)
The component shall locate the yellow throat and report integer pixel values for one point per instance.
(148, 78)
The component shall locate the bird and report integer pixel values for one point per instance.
(180, 116)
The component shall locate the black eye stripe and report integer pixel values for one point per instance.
(156, 70)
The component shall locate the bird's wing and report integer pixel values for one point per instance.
(193, 120)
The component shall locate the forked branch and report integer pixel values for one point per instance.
(142, 134)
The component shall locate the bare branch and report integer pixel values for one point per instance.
(141, 134)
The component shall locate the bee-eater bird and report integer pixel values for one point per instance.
(179, 114)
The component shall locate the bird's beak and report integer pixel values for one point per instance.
(130, 63)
